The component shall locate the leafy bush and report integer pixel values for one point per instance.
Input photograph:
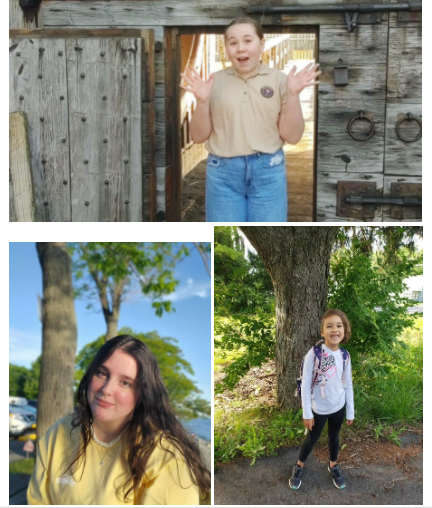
(370, 291)
(388, 385)
(253, 335)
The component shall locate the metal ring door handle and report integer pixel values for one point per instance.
(409, 117)
(361, 116)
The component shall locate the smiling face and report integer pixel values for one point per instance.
(114, 383)
(244, 47)
(333, 331)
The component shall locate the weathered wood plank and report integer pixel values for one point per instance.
(404, 19)
(327, 195)
(169, 197)
(38, 86)
(159, 35)
(149, 197)
(19, 18)
(161, 130)
(403, 158)
(173, 13)
(365, 53)
(148, 135)
(97, 201)
(148, 65)
(405, 64)
(12, 214)
(160, 189)
(337, 150)
(388, 180)
(104, 77)
(74, 32)
(148, 126)
(20, 168)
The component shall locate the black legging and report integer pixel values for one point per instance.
(334, 425)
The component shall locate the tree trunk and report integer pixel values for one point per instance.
(297, 259)
(59, 336)
(112, 316)
(112, 326)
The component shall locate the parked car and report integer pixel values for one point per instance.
(27, 407)
(21, 401)
(21, 419)
(32, 403)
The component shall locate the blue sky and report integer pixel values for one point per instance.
(190, 324)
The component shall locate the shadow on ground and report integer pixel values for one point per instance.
(397, 480)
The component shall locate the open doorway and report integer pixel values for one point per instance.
(204, 49)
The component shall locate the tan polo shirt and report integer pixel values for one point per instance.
(245, 113)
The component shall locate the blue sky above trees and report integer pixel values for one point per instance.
(190, 324)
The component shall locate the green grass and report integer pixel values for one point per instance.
(255, 432)
(388, 389)
(389, 385)
(24, 466)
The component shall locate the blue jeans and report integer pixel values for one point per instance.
(249, 188)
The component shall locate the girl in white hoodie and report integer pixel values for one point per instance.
(328, 396)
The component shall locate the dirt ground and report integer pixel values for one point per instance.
(377, 473)
(193, 194)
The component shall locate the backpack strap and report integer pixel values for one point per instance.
(316, 365)
(346, 357)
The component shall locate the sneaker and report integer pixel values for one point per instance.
(294, 481)
(338, 479)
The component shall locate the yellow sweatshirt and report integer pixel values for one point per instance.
(167, 479)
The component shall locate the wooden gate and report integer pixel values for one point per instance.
(384, 82)
(89, 100)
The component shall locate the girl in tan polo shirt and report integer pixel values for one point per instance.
(245, 113)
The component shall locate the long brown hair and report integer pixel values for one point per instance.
(152, 420)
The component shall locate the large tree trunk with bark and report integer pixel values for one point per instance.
(297, 259)
(59, 336)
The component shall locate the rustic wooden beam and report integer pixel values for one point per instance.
(74, 32)
(148, 126)
(175, 13)
(20, 168)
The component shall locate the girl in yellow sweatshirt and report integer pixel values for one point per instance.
(124, 445)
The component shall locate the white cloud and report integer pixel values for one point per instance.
(24, 347)
(200, 289)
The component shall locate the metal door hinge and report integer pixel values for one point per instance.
(359, 199)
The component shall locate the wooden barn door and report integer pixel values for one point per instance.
(403, 157)
(344, 163)
(384, 86)
(89, 99)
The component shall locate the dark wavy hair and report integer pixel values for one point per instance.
(152, 415)
(345, 322)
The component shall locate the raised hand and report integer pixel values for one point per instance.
(201, 89)
(306, 77)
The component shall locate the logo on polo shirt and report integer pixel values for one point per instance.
(267, 92)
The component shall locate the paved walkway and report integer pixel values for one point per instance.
(266, 482)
